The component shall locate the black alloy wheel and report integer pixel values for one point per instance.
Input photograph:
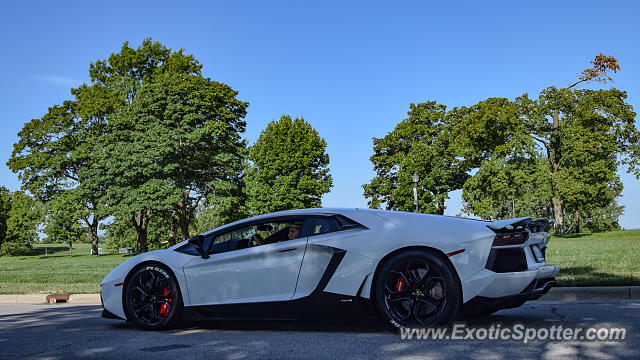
(417, 289)
(152, 298)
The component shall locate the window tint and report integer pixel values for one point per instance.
(239, 234)
(344, 223)
(258, 234)
(323, 226)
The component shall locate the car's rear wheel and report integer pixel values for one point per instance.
(417, 289)
(152, 298)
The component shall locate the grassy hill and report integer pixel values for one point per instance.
(602, 259)
(56, 272)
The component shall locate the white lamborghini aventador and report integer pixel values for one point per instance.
(408, 269)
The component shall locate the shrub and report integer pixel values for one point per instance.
(16, 249)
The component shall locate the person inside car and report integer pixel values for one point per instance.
(292, 233)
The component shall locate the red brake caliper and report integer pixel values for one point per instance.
(164, 308)
(400, 284)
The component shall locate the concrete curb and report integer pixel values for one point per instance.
(555, 294)
(593, 293)
(89, 299)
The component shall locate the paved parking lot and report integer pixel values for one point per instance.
(76, 331)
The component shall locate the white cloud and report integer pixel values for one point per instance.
(59, 81)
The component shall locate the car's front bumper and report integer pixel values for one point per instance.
(111, 298)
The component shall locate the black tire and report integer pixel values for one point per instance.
(416, 289)
(152, 298)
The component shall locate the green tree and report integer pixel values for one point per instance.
(422, 143)
(582, 133)
(603, 218)
(120, 234)
(509, 178)
(22, 224)
(288, 168)
(53, 157)
(570, 166)
(177, 143)
(506, 187)
(221, 208)
(5, 208)
(62, 222)
(57, 153)
(549, 156)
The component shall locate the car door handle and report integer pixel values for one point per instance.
(287, 251)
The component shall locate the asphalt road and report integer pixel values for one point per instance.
(65, 331)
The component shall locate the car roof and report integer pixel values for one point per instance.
(296, 212)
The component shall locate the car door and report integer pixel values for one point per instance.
(255, 274)
(325, 253)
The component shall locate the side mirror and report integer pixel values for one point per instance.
(198, 243)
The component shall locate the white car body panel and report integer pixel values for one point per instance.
(257, 274)
(267, 274)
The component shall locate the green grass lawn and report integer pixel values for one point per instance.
(56, 272)
(603, 259)
(587, 260)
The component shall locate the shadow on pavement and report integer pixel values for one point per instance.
(64, 331)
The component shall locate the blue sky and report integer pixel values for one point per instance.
(350, 68)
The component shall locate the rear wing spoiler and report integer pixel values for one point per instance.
(523, 223)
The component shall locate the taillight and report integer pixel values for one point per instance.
(515, 238)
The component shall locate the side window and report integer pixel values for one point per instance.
(322, 225)
(232, 240)
(238, 234)
(345, 223)
(277, 231)
(258, 234)
(319, 225)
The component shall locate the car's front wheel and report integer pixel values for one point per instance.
(417, 289)
(152, 298)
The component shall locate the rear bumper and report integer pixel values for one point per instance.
(490, 284)
(482, 305)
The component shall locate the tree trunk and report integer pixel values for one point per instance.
(183, 223)
(141, 246)
(94, 237)
(577, 227)
(141, 222)
(184, 218)
(71, 250)
(557, 215)
(441, 207)
(555, 157)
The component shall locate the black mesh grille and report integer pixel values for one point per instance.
(507, 260)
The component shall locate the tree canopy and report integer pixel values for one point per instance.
(63, 224)
(422, 144)
(20, 215)
(56, 154)
(177, 142)
(550, 156)
(288, 168)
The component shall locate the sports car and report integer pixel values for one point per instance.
(409, 269)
